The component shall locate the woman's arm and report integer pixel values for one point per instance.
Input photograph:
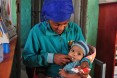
(32, 55)
(90, 57)
(92, 54)
(64, 74)
(84, 64)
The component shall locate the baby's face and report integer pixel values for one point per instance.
(76, 53)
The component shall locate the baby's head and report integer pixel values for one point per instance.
(78, 50)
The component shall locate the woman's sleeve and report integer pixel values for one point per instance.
(31, 55)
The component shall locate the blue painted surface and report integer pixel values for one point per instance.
(25, 20)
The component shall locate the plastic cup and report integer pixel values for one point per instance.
(6, 48)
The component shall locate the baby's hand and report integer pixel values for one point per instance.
(84, 64)
(63, 73)
(84, 70)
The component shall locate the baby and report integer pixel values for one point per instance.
(77, 52)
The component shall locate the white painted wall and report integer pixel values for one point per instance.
(107, 1)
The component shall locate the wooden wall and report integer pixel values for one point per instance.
(107, 28)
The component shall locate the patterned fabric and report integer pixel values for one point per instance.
(3, 33)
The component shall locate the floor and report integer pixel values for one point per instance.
(23, 73)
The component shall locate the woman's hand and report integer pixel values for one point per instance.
(64, 74)
(61, 59)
